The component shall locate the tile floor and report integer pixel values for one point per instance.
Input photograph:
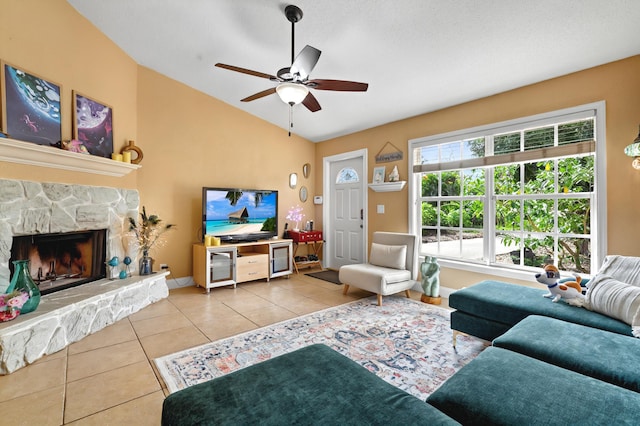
(109, 378)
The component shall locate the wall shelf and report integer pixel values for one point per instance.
(15, 151)
(388, 186)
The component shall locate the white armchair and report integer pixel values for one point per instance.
(392, 267)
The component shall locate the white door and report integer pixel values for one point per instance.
(345, 225)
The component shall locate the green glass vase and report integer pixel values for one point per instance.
(22, 280)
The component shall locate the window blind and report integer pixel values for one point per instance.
(575, 149)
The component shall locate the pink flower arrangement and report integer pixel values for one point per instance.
(11, 303)
(295, 214)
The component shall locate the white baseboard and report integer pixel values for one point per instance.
(444, 291)
(173, 283)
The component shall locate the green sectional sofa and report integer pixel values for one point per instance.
(606, 356)
(549, 364)
(547, 371)
(490, 308)
(515, 382)
(314, 385)
(501, 387)
(612, 302)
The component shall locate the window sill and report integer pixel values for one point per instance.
(21, 152)
(496, 271)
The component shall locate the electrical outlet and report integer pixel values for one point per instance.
(164, 266)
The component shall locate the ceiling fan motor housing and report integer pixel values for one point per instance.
(293, 13)
(285, 74)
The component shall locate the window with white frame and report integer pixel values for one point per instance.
(517, 194)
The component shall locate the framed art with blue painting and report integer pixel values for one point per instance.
(30, 107)
(93, 125)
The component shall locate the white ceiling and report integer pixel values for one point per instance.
(417, 55)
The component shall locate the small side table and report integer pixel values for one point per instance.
(311, 239)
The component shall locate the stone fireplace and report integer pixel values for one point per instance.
(31, 211)
(33, 208)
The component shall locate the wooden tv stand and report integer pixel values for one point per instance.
(229, 264)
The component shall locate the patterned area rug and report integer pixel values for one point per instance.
(405, 342)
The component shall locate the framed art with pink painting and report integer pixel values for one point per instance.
(93, 125)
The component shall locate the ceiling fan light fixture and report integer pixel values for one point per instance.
(292, 93)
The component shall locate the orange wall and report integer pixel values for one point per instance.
(191, 140)
(49, 38)
(616, 83)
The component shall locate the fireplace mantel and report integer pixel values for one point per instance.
(16, 151)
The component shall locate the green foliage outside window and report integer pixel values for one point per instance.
(517, 217)
(533, 200)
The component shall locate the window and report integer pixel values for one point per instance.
(514, 195)
(347, 175)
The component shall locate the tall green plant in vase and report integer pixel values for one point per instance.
(149, 233)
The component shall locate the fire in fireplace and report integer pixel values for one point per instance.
(62, 260)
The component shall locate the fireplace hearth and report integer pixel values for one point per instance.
(62, 260)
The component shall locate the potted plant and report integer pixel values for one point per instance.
(148, 232)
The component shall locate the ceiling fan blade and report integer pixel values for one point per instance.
(305, 62)
(259, 95)
(338, 85)
(247, 71)
(311, 103)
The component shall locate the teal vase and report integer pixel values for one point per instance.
(22, 280)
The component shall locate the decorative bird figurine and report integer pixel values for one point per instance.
(127, 261)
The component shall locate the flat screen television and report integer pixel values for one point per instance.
(239, 215)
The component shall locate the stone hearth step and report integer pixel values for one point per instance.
(69, 315)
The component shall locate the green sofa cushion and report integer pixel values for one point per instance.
(312, 385)
(510, 303)
(606, 356)
(480, 327)
(500, 387)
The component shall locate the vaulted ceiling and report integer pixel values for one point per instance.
(417, 55)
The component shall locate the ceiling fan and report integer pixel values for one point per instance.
(293, 81)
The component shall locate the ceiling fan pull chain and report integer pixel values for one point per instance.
(290, 119)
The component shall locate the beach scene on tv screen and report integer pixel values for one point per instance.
(240, 212)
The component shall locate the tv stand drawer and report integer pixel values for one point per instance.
(252, 266)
